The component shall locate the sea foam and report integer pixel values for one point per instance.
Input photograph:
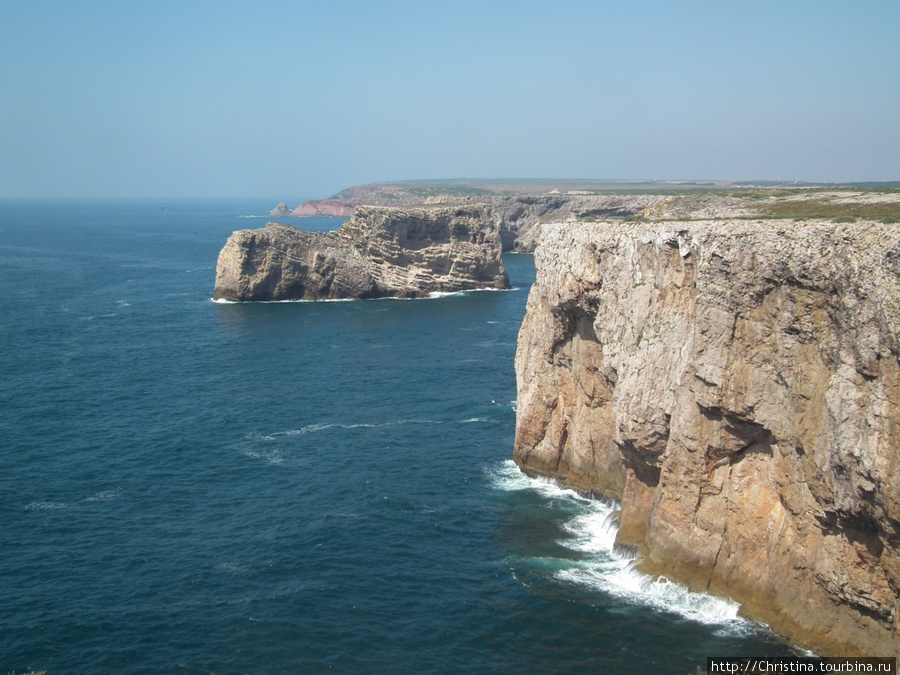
(592, 532)
(102, 496)
(326, 426)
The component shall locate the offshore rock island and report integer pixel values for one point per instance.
(722, 360)
(379, 252)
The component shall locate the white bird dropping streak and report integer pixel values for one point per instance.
(593, 531)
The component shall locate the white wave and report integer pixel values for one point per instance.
(48, 506)
(592, 533)
(280, 302)
(104, 496)
(486, 289)
(232, 567)
(508, 477)
(223, 301)
(308, 429)
(258, 437)
(255, 436)
(432, 295)
(619, 578)
(313, 428)
(275, 457)
(342, 515)
(595, 531)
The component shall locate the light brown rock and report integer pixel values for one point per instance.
(379, 252)
(735, 384)
(323, 208)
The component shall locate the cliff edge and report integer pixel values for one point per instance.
(736, 386)
(378, 252)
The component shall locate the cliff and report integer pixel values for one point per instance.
(323, 208)
(516, 218)
(518, 214)
(379, 252)
(735, 386)
(519, 219)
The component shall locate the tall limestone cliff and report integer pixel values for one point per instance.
(735, 385)
(378, 252)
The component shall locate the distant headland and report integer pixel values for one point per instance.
(417, 192)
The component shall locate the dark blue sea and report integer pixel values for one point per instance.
(195, 487)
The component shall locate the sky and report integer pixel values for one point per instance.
(300, 99)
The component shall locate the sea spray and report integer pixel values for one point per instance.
(590, 534)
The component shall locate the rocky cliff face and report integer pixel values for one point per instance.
(379, 252)
(519, 219)
(323, 208)
(736, 386)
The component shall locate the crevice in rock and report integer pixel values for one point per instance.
(574, 320)
(643, 463)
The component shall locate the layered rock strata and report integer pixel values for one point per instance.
(735, 385)
(379, 252)
(517, 219)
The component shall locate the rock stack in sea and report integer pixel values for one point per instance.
(280, 211)
(735, 384)
(378, 252)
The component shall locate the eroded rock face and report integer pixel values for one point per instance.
(379, 252)
(323, 208)
(516, 218)
(519, 219)
(736, 385)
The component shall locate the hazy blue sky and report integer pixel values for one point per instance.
(295, 99)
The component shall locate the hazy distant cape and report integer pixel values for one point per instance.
(415, 193)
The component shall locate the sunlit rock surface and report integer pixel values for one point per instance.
(735, 384)
(379, 252)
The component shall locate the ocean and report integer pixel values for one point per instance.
(197, 487)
